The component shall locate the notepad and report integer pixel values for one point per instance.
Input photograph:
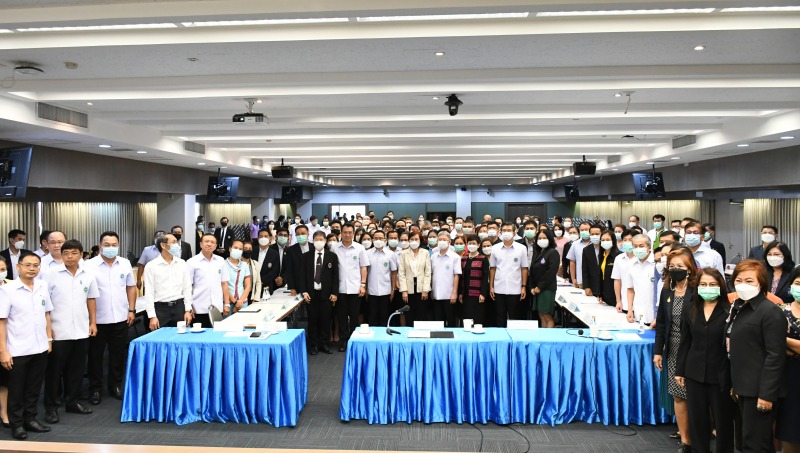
(627, 336)
(419, 334)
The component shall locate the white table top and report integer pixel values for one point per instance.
(274, 309)
(585, 307)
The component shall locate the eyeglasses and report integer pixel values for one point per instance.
(30, 265)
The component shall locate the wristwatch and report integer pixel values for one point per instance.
(131, 311)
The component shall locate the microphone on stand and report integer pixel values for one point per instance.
(389, 330)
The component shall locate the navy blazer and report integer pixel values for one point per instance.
(6, 254)
(757, 253)
(703, 346)
(664, 318)
(783, 285)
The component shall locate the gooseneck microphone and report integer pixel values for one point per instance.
(389, 330)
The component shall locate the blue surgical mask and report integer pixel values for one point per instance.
(707, 236)
(794, 290)
(175, 249)
(585, 235)
(110, 252)
(657, 225)
(692, 239)
(302, 238)
(200, 228)
(627, 247)
(641, 253)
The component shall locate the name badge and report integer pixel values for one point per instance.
(43, 304)
(385, 264)
(542, 261)
(355, 257)
(330, 265)
(121, 276)
(516, 260)
(85, 289)
(269, 265)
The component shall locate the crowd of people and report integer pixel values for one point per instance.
(725, 347)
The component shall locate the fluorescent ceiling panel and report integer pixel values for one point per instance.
(443, 17)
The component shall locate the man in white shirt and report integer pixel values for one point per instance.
(313, 226)
(25, 341)
(169, 295)
(53, 259)
(457, 227)
(633, 221)
(575, 254)
(73, 291)
(149, 253)
(353, 263)
(640, 282)
(704, 255)
(381, 279)
(445, 272)
(508, 276)
(116, 311)
(42, 250)
(659, 226)
(621, 268)
(209, 281)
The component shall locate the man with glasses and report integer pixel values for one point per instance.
(353, 263)
(53, 259)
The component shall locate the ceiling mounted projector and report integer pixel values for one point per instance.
(249, 117)
(282, 171)
(584, 168)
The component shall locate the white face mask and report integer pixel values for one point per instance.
(467, 230)
(319, 245)
(747, 292)
(472, 248)
(444, 245)
(631, 224)
(413, 244)
(406, 244)
(574, 237)
(379, 243)
(483, 235)
(567, 224)
(606, 244)
(3, 275)
(458, 227)
(492, 233)
(660, 266)
(507, 236)
(775, 261)
(594, 239)
(263, 242)
(558, 233)
(487, 250)
(542, 243)
(366, 243)
(19, 245)
(766, 237)
(332, 245)
(236, 254)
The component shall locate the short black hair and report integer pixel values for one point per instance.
(176, 226)
(299, 227)
(43, 236)
(15, 232)
(108, 233)
(660, 217)
(72, 244)
(773, 227)
(635, 216)
(282, 230)
(319, 233)
(349, 225)
(26, 253)
(669, 234)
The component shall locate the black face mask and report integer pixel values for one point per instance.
(401, 230)
(224, 224)
(336, 231)
(247, 254)
(177, 236)
(678, 275)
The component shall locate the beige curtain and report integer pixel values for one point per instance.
(236, 213)
(133, 222)
(22, 216)
(620, 211)
(782, 213)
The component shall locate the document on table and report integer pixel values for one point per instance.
(250, 309)
(237, 334)
(627, 336)
(419, 334)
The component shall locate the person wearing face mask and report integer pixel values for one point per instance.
(572, 236)
(3, 371)
(255, 273)
(483, 232)
(269, 264)
(366, 240)
(474, 282)
(702, 364)
(639, 282)
(255, 227)
(239, 278)
(326, 225)
(281, 247)
(756, 346)
(575, 254)
(593, 255)
(618, 230)
(168, 298)
(679, 290)
(492, 229)
(788, 426)
(294, 259)
(414, 279)
(608, 256)
(769, 234)
(292, 233)
(16, 245)
(336, 228)
(659, 226)
(633, 221)
(445, 274)
(458, 226)
(319, 283)
(381, 280)
(562, 239)
(432, 242)
(209, 277)
(199, 231)
(353, 265)
(468, 227)
(709, 237)
(225, 236)
(703, 254)
(529, 237)
(115, 312)
(542, 278)
(313, 226)
(508, 277)
(779, 266)
(186, 249)
(621, 264)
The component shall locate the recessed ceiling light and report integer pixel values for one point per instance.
(201, 163)
(699, 47)
(259, 101)
(649, 163)
(617, 95)
(435, 98)
(5, 30)
(615, 169)
(230, 23)
(105, 146)
(760, 9)
(509, 184)
(141, 152)
(787, 137)
(100, 27)
(625, 12)
(443, 17)
(439, 54)
(89, 103)
(674, 158)
(255, 172)
(223, 167)
(742, 145)
(577, 176)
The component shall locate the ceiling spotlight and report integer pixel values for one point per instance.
(674, 158)
(439, 54)
(649, 163)
(201, 163)
(255, 172)
(141, 152)
(699, 47)
(787, 137)
(259, 101)
(742, 145)
(615, 169)
(452, 104)
(89, 103)
(435, 98)
(617, 95)
(105, 146)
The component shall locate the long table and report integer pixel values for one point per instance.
(586, 309)
(542, 376)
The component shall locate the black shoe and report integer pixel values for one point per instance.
(675, 435)
(36, 427)
(95, 398)
(684, 449)
(341, 348)
(79, 408)
(19, 433)
(116, 393)
(326, 350)
(51, 416)
(314, 350)
(59, 401)
(6, 425)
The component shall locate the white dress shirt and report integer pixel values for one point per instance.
(641, 277)
(576, 254)
(621, 264)
(508, 262)
(381, 265)
(112, 284)
(207, 277)
(24, 309)
(14, 261)
(69, 294)
(48, 263)
(262, 253)
(40, 253)
(707, 257)
(351, 260)
(444, 268)
(149, 253)
(166, 282)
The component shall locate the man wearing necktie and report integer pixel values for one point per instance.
(318, 282)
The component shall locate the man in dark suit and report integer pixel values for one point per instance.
(186, 249)
(294, 259)
(590, 263)
(280, 247)
(16, 245)
(710, 236)
(225, 236)
(318, 283)
(270, 267)
(769, 233)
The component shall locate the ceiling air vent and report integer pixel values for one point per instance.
(61, 115)
(683, 140)
(193, 147)
(614, 159)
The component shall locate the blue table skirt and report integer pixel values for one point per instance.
(206, 376)
(559, 378)
(393, 378)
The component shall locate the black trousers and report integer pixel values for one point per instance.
(378, 309)
(68, 358)
(507, 306)
(474, 310)
(702, 398)
(443, 310)
(24, 386)
(348, 306)
(419, 309)
(756, 426)
(489, 312)
(169, 314)
(115, 337)
(204, 319)
(320, 311)
(395, 304)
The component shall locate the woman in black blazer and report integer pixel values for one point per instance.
(680, 282)
(608, 254)
(779, 266)
(573, 235)
(706, 378)
(756, 332)
(542, 277)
